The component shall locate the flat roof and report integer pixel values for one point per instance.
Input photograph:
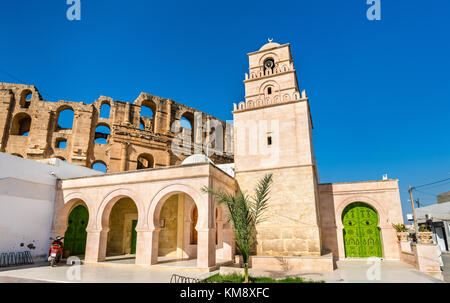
(150, 169)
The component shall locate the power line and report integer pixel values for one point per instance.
(11, 76)
(440, 181)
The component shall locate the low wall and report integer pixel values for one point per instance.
(288, 263)
(423, 256)
(408, 257)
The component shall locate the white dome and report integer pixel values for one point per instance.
(197, 158)
(269, 45)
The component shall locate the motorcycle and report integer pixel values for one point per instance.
(56, 251)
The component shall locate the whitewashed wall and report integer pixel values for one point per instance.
(27, 194)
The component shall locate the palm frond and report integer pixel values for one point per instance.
(261, 198)
(244, 212)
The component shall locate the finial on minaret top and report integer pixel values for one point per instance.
(270, 40)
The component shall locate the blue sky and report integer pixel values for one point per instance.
(379, 90)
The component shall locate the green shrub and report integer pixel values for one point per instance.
(236, 278)
(400, 228)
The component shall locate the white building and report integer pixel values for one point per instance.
(27, 195)
(439, 217)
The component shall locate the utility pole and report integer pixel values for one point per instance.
(416, 229)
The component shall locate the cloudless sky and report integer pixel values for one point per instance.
(379, 90)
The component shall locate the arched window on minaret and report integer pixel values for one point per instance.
(269, 64)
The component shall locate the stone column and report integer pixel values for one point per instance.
(340, 242)
(147, 246)
(180, 226)
(127, 113)
(206, 250)
(123, 159)
(197, 132)
(96, 245)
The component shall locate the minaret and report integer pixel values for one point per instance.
(273, 134)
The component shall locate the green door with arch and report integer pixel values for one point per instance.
(361, 233)
(75, 236)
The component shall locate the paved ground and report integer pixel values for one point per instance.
(446, 272)
(92, 274)
(360, 271)
(349, 271)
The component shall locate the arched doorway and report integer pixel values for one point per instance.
(122, 233)
(361, 233)
(176, 218)
(75, 236)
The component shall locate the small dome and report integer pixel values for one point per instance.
(269, 45)
(197, 158)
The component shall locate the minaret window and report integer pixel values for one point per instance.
(269, 90)
(269, 64)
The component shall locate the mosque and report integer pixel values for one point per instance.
(153, 211)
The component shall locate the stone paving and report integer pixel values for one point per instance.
(348, 271)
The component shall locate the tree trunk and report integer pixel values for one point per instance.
(245, 272)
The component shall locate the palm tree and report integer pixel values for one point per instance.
(245, 213)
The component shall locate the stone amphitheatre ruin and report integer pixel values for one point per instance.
(130, 140)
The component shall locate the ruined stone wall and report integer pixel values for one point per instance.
(160, 142)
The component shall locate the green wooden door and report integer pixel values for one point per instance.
(361, 233)
(75, 236)
(133, 237)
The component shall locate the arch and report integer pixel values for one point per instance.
(382, 217)
(61, 143)
(105, 110)
(286, 98)
(100, 166)
(147, 114)
(187, 120)
(21, 125)
(185, 123)
(66, 116)
(25, 98)
(160, 198)
(145, 161)
(70, 201)
(130, 227)
(269, 66)
(17, 155)
(108, 202)
(102, 134)
(148, 108)
(266, 56)
(269, 83)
